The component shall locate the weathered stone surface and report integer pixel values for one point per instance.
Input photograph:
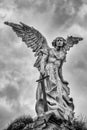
(52, 96)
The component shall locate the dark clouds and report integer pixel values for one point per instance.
(76, 73)
(5, 116)
(17, 75)
(56, 14)
(10, 92)
(38, 6)
(65, 12)
(14, 96)
(62, 12)
(21, 4)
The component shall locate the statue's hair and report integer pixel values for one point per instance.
(56, 39)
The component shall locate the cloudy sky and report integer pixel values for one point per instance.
(17, 75)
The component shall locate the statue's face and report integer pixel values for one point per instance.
(59, 43)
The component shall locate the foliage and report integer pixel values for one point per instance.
(79, 124)
(21, 122)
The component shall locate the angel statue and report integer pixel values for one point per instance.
(52, 95)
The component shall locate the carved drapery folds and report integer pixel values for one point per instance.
(52, 94)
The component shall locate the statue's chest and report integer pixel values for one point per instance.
(57, 54)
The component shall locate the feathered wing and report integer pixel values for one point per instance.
(33, 39)
(70, 41)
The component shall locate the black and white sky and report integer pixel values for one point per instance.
(17, 75)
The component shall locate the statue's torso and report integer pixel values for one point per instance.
(56, 56)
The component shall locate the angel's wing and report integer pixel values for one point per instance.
(32, 37)
(70, 41)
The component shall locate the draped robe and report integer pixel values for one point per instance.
(54, 87)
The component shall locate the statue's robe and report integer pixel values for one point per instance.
(57, 92)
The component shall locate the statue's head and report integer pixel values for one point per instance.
(58, 42)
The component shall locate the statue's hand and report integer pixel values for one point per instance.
(57, 63)
(42, 71)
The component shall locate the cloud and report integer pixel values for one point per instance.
(5, 116)
(75, 69)
(36, 5)
(83, 11)
(17, 74)
(21, 4)
(10, 92)
(11, 110)
(7, 11)
(55, 14)
(15, 99)
(65, 13)
(6, 113)
(82, 16)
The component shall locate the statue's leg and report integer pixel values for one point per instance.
(39, 92)
(51, 81)
(39, 107)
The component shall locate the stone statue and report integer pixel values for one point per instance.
(52, 92)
